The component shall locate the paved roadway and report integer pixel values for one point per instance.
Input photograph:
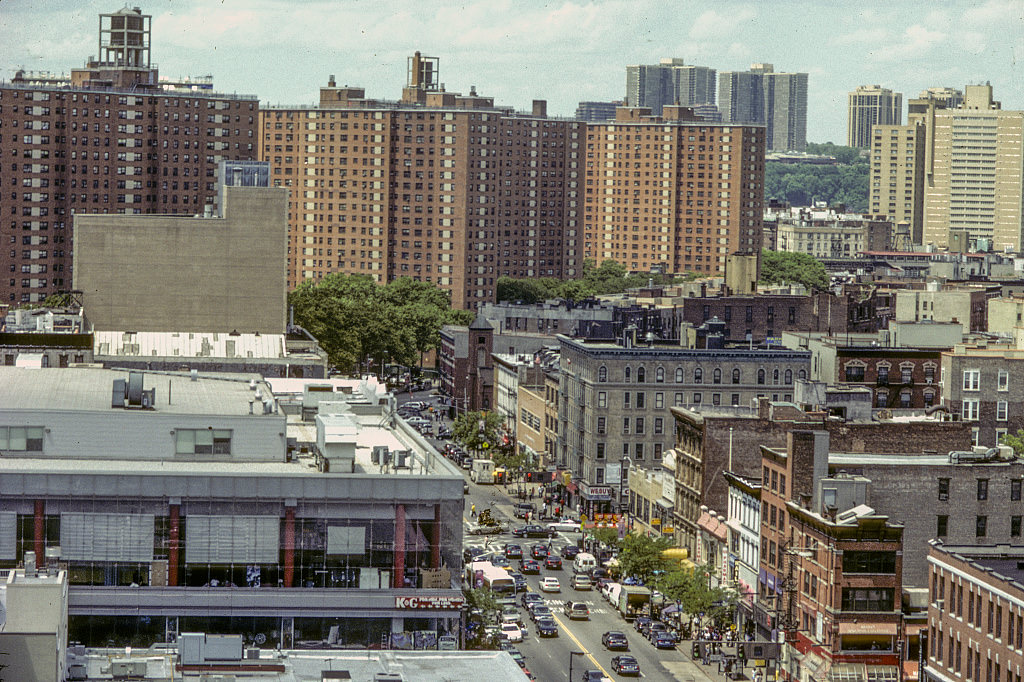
(548, 659)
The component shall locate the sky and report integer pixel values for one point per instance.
(563, 51)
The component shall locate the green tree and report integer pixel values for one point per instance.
(801, 184)
(640, 556)
(692, 589)
(606, 536)
(477, 431)
(780, 267)
(1015, 441)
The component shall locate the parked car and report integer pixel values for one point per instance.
(553, 562)
(511, 632)
(444, 432)
(576, 610)
(655, 627)
(626, 665)
(594, 676)
(613, 640)
(663, 640)
(546, 627)
(550, 584)
(510, 614)
(581, 582)
(641, 624)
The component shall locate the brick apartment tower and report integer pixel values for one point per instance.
(672, 193)
(112, 138)
(438, 186)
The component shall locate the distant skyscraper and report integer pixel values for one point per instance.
(871, 105)
(976, 182)
(762, 96)
(670, 82)
(951, 98)
(596, 111)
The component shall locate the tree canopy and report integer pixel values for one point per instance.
(477, 430)
(692, 589)
(801, 184)
(641, 556)
(781, 267)
(610, 277)
(356, 320)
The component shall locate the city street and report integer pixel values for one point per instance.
(548, 659)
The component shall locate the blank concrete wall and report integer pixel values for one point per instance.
(173, 273)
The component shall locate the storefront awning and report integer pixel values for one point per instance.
(869, 628)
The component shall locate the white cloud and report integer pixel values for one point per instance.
(713, 25)
(915, 42)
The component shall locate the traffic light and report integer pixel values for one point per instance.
(529, 476)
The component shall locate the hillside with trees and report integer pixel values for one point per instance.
(801, 184)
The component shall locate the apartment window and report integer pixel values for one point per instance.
(626, 399)
(626, 423)
(868, 599)
(883, 376)
(1015, 526)
(982, 488)
(638, 451)
(697, 398)
(639, 426)
(641, 400)
(1001, 410)
(980, 526)
(678, 400)
(602, 374)
(202, 442)
(972, 379)
(735, 399)
(21, 438)
(716, 376)
(969, 410)
(659, 401)
(941, 525)
(659, 425)
(601, 421)
(1015, 491)
(599, 475)
(602, 399)
(698, 376)
(760, 376)
(943, 488)
(736, 375)
(641, 375)
(600, 451)
(1003, 382)
(855, 373)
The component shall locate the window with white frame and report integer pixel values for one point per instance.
(21, 438)
(1000, 433)
(1003, 382)
(1001, 410)
(969, 410)
(972, 379)
(602, 399)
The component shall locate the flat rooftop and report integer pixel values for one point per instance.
(189, 345)
(89, 390)
(326, 664)
(1006, 561)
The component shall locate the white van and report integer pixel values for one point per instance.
(583, 563)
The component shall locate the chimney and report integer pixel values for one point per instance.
(540, 108)
(331, 82)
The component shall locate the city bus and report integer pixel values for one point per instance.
(484, 574)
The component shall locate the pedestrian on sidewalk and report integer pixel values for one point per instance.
(472, 511)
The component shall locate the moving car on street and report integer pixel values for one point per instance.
(626, 665)
(613, 640)
(576, 610)
(550, 584)
(546, 627)
(553, 563)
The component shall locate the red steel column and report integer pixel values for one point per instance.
(435, 542)
(289, 546)
(173, 545)
(40, 532)
(398, 579)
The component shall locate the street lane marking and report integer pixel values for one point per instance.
(580, 645)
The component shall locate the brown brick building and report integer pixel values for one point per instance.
(439, 187)
(672, 193)
(982, 639)
(110, 139)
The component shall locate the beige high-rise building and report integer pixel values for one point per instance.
(439, 187)
(671, 193)
(871, 105)
(977, 175)
(897, 178)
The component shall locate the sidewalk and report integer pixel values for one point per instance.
(690, 670)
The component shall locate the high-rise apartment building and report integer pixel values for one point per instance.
(871, 105)
(669, 82)
(950, 98)
(897, 177)
(763, 96)
(110, 139)
(439, 187)
(672, 193)
(976, 183)
(596, 111)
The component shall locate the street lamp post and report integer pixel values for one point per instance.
(571, 655)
